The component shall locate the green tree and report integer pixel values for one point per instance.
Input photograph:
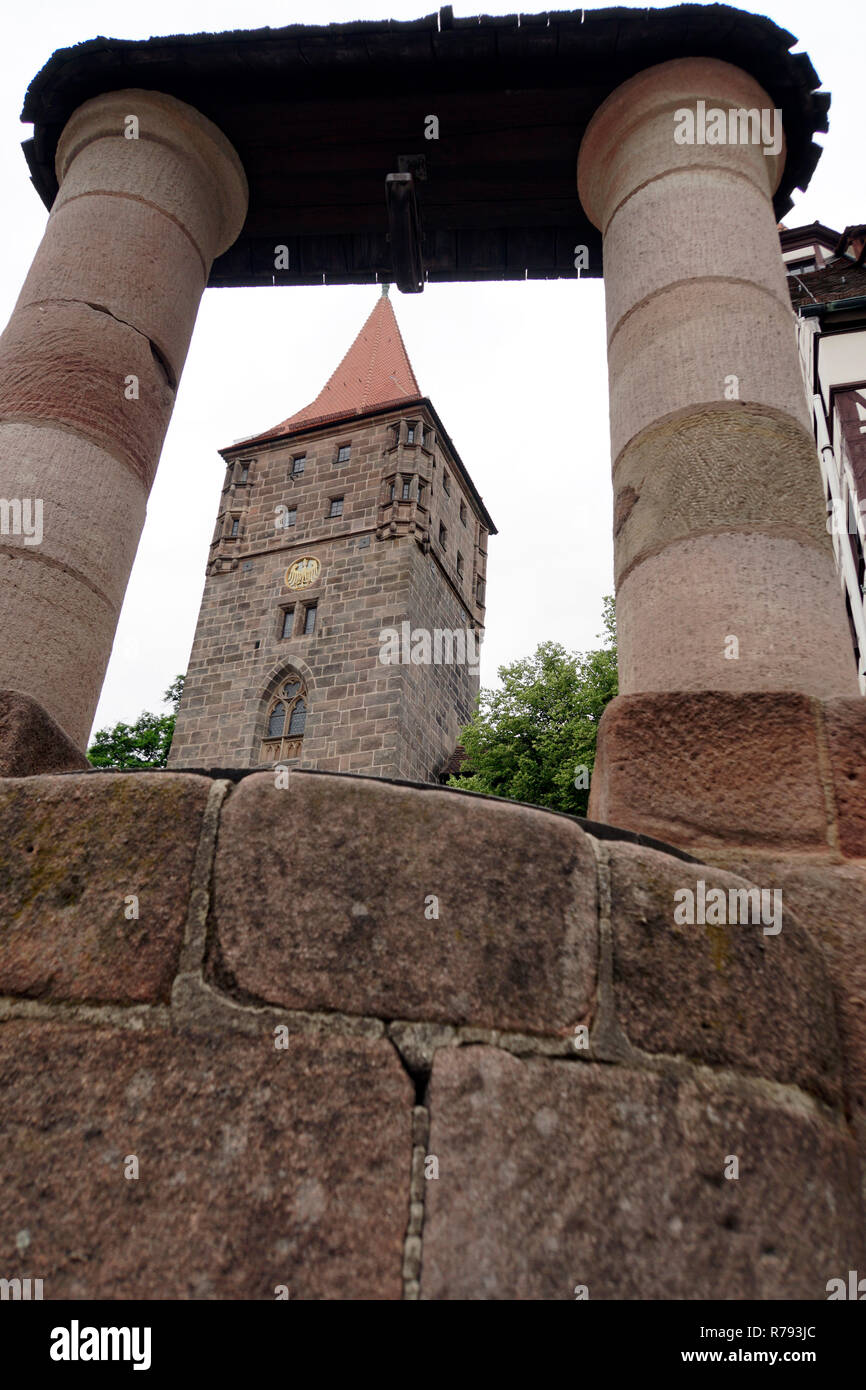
(530, 740)
(145, 743)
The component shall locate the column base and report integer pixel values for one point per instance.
(700, 769)
(31, 741)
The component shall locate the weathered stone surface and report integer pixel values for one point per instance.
(72, 617)
(554, 1174)
(629, 140)
(667, 488)
(727, 995)
(257, 1167)
(72, 850)
(320, 893)
(69, 368)
(776, 595)
(31, 741)
(845, 723)
(711, 768)
(829, 899)
(200, 182)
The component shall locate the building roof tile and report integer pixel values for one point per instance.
(376, 371)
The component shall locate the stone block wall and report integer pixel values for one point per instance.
(370, 1040)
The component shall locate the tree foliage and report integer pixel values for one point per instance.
(530, 739)
(145, 743)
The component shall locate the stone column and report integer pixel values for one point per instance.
(150, 192)
(724, 568)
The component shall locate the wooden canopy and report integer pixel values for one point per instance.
(321, 116)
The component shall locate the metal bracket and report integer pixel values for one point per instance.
(404, 224)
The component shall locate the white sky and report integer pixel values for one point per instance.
(516, 371)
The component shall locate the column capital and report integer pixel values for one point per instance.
(96, 152)
(632, 138)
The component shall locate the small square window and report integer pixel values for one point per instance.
(443, 536)
(459, 565)
(288, 622)
(298, 465)
(446, 483)
(336, 508)
(310, 619)
(343, 453)
(236, 523)
(463, 512)
(407, 490)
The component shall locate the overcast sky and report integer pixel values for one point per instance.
(516, 371)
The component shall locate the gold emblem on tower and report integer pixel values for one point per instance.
(303, 573)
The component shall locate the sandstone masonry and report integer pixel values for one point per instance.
(380, 503)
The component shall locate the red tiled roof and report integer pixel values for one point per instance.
(376, 371)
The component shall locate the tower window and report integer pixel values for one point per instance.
(286, 721)
(244, 475)
(343, 453)
(459, 565)
(277, 720)
(443, 536)
(446, 483)
(235, 527)
(298, 718)
(407, 489)
(410, 434)
(310, 619)
(336, 508)
(288, 621)
(392, 492)
(298, 465)
(463, 512)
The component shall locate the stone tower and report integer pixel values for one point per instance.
(344, 601)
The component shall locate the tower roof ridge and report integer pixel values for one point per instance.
(374, 371)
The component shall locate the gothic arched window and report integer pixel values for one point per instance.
(287, 718)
